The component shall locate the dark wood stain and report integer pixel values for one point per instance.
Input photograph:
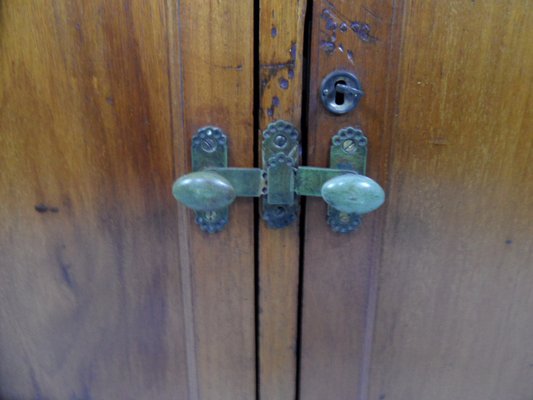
(280, 60)
(94, 290)
(217, 270)
(340, 270)
(438, 281)
(455, 277)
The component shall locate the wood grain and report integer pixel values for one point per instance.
(281, 37)
(212, 84)
(108, 290)
(454, 319)
(90, 303)
(338, 277)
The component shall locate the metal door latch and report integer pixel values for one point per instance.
(212, 186)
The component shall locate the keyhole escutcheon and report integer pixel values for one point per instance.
(340, 92)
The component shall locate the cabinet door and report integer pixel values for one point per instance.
(107, 289)
(432, 298)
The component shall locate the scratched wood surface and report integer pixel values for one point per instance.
(281, 28)
(89, 281)
(212, 82)
(454, 317)
(338, 273)
(107, 288)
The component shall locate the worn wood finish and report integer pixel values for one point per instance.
(90, 303)
(212, 81)
(93, 296)
(338, 269)
(281, 27)
(455, 289)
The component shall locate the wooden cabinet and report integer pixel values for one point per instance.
(108, 289)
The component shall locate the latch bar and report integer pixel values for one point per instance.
(247, 182)
(309, 180)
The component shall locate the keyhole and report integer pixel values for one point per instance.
(339, 96)
(340, 92)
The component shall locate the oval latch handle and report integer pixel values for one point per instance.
(204, 191)
(353, 193)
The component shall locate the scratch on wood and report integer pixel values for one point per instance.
(334, 21)
(66, 274)
(273, 69)
(330, 4)
(288, 64)
(439, 141)
(376, 16)
(349, 54)
(237, 67)
(35, 385)
(85, 395)
(275, 103)
(42, 208)
(232, 67)
(278, 66)
(64, 267)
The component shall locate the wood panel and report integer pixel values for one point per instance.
(281, 40)
(338, 277)
(212, 82)
(108, 289)
(454, 319)
(90, 303)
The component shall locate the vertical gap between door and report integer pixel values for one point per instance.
(304, 124)
(256, 134)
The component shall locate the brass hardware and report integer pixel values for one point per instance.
(281, 152)
(211, 188)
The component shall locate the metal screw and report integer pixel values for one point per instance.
(208, 145)
(210, 216)
(279, 211)
(349, 146)
(280, 141)
(344, 217)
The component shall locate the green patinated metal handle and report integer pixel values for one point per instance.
(204, 191)
(352, 193)
(216, 188)
(344, 190)
(212, 187)
(347, 192)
